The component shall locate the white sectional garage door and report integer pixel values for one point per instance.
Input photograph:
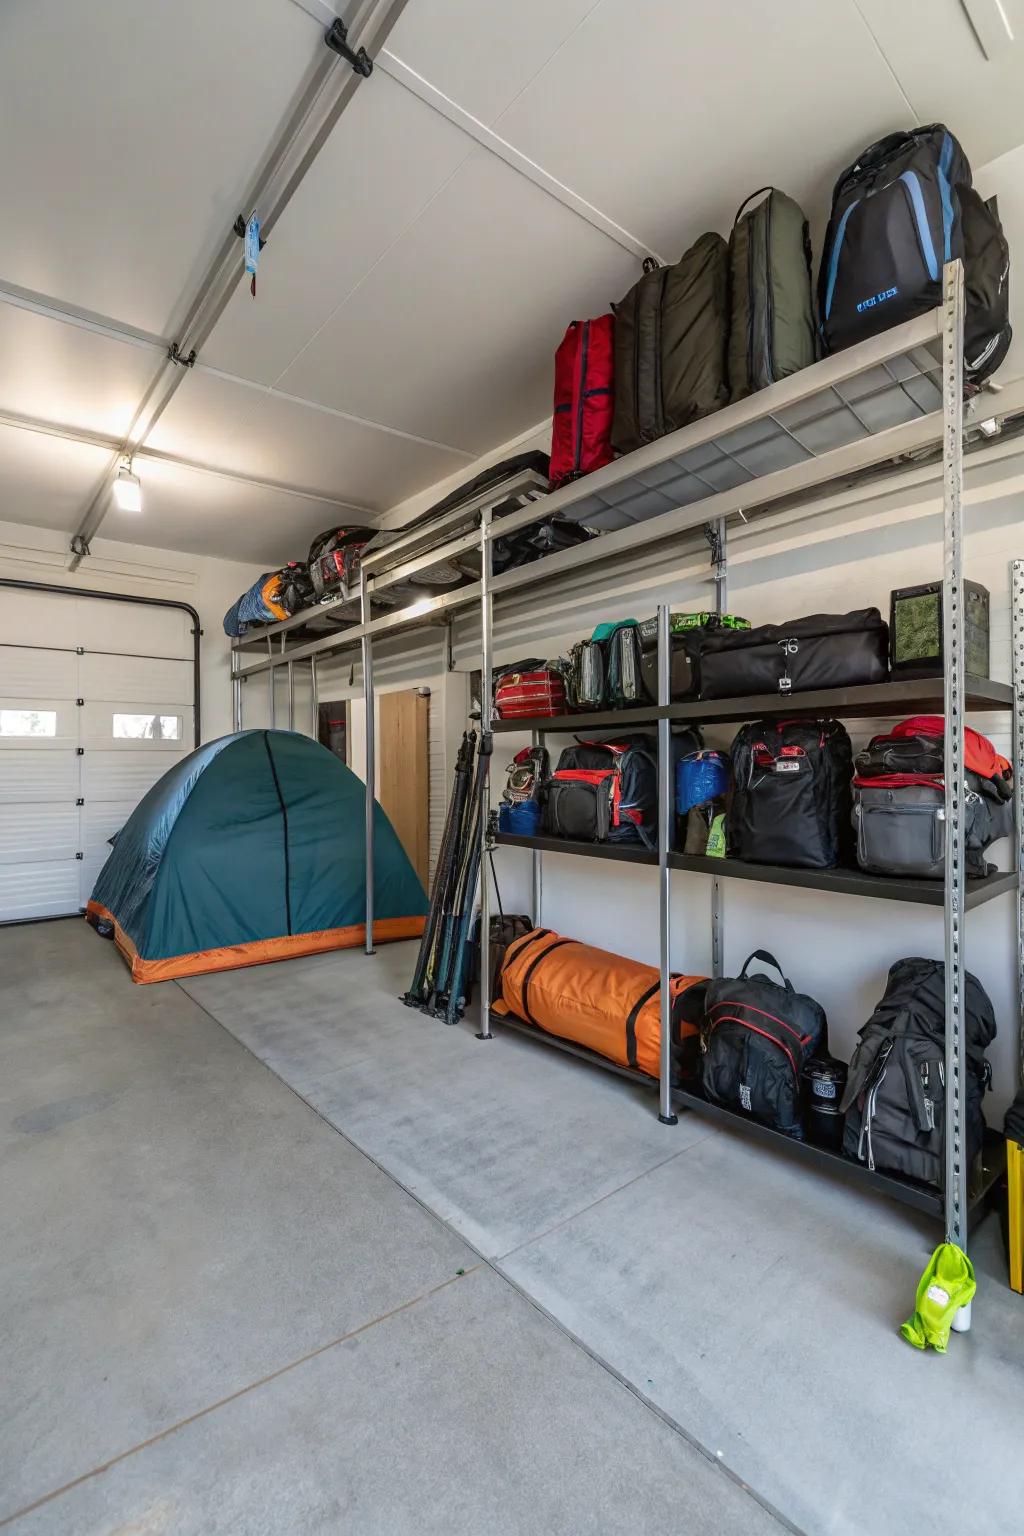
(96, 702)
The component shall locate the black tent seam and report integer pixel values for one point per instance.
(284, 818)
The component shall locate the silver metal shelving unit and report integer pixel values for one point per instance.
(895, 399)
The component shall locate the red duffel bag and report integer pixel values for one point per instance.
(581, 432)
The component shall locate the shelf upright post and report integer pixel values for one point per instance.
(536, 740)
(314, 691)
(369, 710)
(236, 695)
(486, 748)
(272, 683)
(717, 539)
(667, 1114)
(1017, 643)
(955, 1184)
(291, 695)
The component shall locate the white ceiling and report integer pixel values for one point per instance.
(411, 296)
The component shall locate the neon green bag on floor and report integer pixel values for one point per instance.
(947, 1285)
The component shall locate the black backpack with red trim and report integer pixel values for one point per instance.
(755, 1040)
(792, 794)
(607, 791)
(604, 792)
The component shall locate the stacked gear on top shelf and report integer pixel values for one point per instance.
(771, 322)
(582, 419)
(899, 212)
(671, 341)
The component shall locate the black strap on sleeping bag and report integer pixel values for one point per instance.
(527, 1015)
(524, 942)
(631, 1018)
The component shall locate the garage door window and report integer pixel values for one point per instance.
(28, 722)
(147, 727)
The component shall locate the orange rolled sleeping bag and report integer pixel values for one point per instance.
(603, 1001)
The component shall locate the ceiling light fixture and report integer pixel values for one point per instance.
(127, 488)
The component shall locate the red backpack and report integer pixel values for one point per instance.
(584, 399)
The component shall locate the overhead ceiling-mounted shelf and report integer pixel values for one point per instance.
(875, 404)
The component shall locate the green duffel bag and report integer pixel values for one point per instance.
(771, 330)
(671, 338)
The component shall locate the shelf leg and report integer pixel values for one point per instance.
(717, 538)
(538, 868)
(291, 695)
(956, 1159)
(369, 709)
(314, 694)
(1017, 647)
(667, 1114)
(486, 740)
(236, 700)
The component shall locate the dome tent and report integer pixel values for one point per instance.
(251, 849)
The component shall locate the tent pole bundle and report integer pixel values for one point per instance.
(440, 979)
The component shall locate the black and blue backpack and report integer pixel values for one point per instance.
(904, 208)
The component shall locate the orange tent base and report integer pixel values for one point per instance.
(258, 952)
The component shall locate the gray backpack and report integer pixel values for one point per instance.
(671, 337)
(771, 330)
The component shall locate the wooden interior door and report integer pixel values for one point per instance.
(404, 775)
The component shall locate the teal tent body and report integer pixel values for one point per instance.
(251, 849)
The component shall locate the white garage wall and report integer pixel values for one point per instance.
(209, 585)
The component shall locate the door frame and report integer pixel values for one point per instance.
(130, 597)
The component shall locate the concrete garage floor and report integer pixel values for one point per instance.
(218, 1316)
(221, 1315)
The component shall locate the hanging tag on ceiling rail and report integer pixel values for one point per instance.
(252, 250)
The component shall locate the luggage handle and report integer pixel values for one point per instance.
(749, 199)
(762, 954)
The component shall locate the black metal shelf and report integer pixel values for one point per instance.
(625, 853)
(899, 696)
(841, 882)
(598, 720)
(921, 1197)
(846, 882)
(902, 695)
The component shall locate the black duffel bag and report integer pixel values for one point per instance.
(824, 650)
(756, 1039)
